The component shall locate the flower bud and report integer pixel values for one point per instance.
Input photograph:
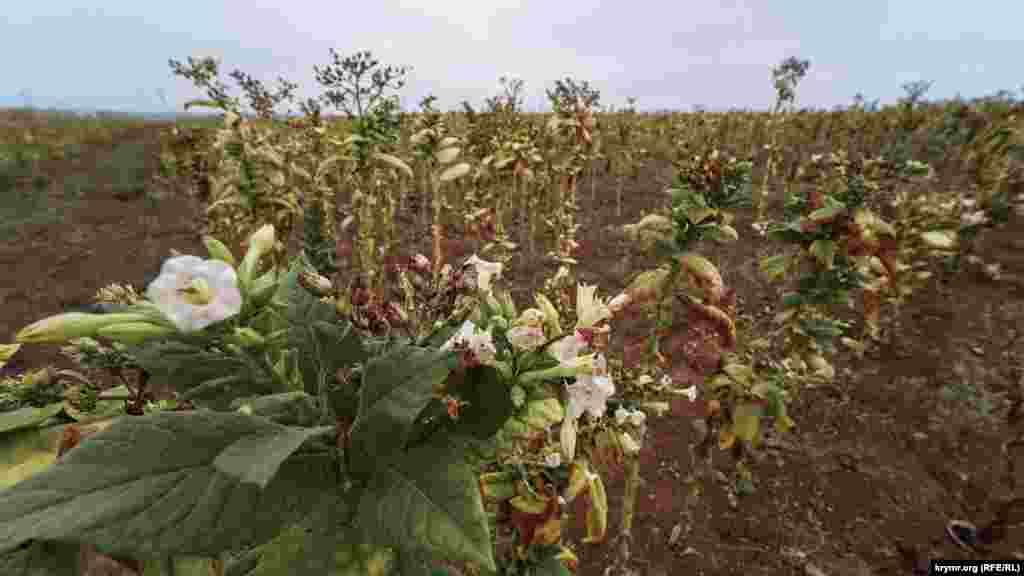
(135, 332)
(551, 318)
(71, 325)
(247, 337)
(262, 241)
(517, 395)
(218, 251)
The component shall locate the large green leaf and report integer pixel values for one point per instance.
(186, 365)
(320, 545)
(428, 500)
(170, 484)
(42, 559)
(289, 408)
(490, 403)
(396, 387)
(28, 417)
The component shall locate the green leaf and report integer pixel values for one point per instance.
(827, 213)
(288, 408)
(789, 233)
(396, 387)
(183, 566)
(151, 485)
(550, 566)
(28, 417)
(791, 299)
(25, 453)
(824, 251)
(429, 500)
(256, 457)
(490, 403)
(185, 366)
(324, 344)
(42, 558)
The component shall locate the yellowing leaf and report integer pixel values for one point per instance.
(721, 381)
(543, 413)
(784, 423)
(597, 511)
(940, 239)
(577, 480)
(447, 155)
(746, 423)
(394, 162)
(529, 504)
(740, 373)
(726, 438)
(698, 214)
(549, 533)
(453, 172)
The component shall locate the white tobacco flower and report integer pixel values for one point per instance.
(482, 346)
(690, 393)
(485, 271)
(553, 460)
(195, 293)
(973, 218)
(590, 310)
(479, 342)
(566, 349)
(465, 331)
(531, 317)
(525, 337)
(590, 392)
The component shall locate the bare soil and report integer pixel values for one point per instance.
(877, 466)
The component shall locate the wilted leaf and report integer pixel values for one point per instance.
(454, 172)
(447, 155)
(394, 162)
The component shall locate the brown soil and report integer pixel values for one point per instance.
(879, 462)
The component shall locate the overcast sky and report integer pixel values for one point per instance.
(113, 54)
